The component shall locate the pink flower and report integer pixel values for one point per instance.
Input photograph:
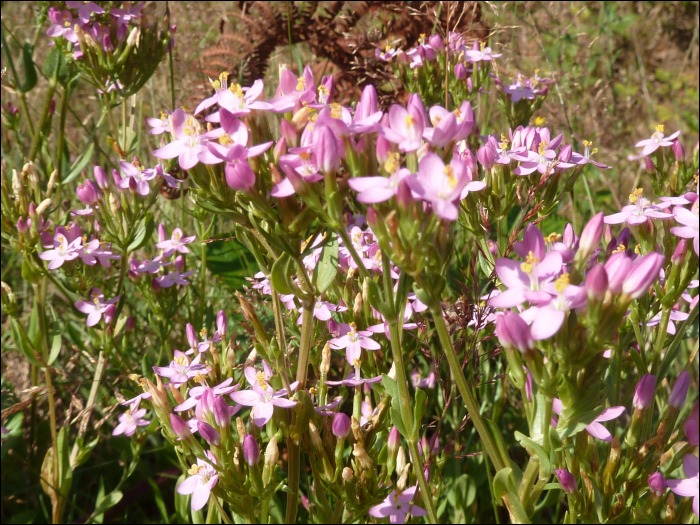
(130, 420)
(262, 397)
(180, 370)
(689, 220)
(690, 427)
(173, 278)
(189, 141)
(519, 90)
(440, 185)
(96, 306)
(63, 25)
(657, 140)
(85, 9)
(203, 478)
(129, 12)
(355, 379)
(688, 487)
(176, 243)
(378, 189)
(386, 55)
(396, 506)
(353, 341)
(639, 211)
(237, 100)
(159, 125)
(196, 393)
(405, 127)
(595, 429)
(63, 250)
(97, 250)
(548, 318)
(485, 54)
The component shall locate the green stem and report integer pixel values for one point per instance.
(203, 284)
(224, 516)
(338, 511)
(44, 115)
(122, 277)
(464, 389)
(660, 338)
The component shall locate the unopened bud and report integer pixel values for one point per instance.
(53, 179)
(644, 392)
(134, 37)
(272, 453)
(341, 425)
(649, 165)
(43, 206)
(361, 456)
(400, 460)
(348, 474)
(678, 150)
(325, 359)
(680, 253)
(251, 450)
(180, 427)
(567, 480)
(680, 390)
(357, 306)
(177, 396)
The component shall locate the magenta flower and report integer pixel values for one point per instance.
(547, 318)
(639, 211)
(150, 266)
(353, 341)
(366, 115)
(567, 480)
(690, 427)
(396, 506)
(440, 185)
(237, 100)
(301, 90)
(189, 141)
(689, 220)
(485, 54)
(63, 25)
(386, 55)
(262, 397)
(355, 379)
(405, 127)
(195, 343)
(135, 176)
(85, 9)
(181, 369)
(127, 13)
(323, 309)
(675, 315)
(196, 393)
(657, 140)
(96, 306)
(519, 90)
(203, 478)
(176, 243)
(159, 125)
(643, 275)
(63, 250)
(376, 189)
(173, 278)
(130, 420)
(690, 486)
(595, 429)
(97, 250)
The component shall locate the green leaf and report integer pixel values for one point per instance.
(503, 483)
(107, 502)
(160, 503)
(55, 65)
(231, 260)
(376, 298)
(327, 267)
(545, 464)
(23, 344)
(55, 349)
(144, 233)
(80, 163)
(28, 274)
(390, 386)
(30, 76)
(398, 422)
(280, 273)
(418, 410)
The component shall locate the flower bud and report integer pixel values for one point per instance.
(176, 394)
(493, 247)
(205, 405)
(657, 484)
(52, 106)
(513, 332)
(130, 323)
(383, 148)
(107, 45)
(251, 450)
(596, 283)
(470, 84)
(691, 426)
(618, 268)
(326, 151)
(394, 440)
(368, 104)
(400, 461)
(436, 42)
(315, 437)
(133, 39)
(362, 457)
(288, 133)
(341, 425)
(180, 427)
(221, 323)
(649, 165)
(22, 225)
(642, 277)
(239, 175)
(679, 391)
(565, 153)
(209, 433)
(179, 263)
(109, 313)
(644, 392)
(162, 234)
(567, 481)
(347, 474)
(222, 415)
(326, 359)
(279, 149)
(357, 306)
(679, 254)
(590, 236)
(272, 453)
(678, 150)
(486, 157)
(88, 193)
(460, 71)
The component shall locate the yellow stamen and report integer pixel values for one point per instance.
(163, 115)
(313, 391)
(451, 179)
(181, 360)
(621, 248)
(392, 162)
(336, 110)
(236, 89)
(262, 381)
(539, 121)
(529, 263)
(194, 470)
(200, 378)
(225, 139)
(552, 237)
(323, 90)
(387, 48)
(561, 283)
(301, 83)
(409, 121)
(660, 128)
(635, 195)
(504, 142)
(542, 148)
(638, 249)
(482, 45)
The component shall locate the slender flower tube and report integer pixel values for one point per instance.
(644, 392)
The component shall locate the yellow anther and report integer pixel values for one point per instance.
(203, 333)
(181, 360)
(635, 195)
(594, 151)
(336, 110)
(620, 248)
(451, 179)
(387, 48)
(163, 115)
(504, 142)
(95, 295)
(587, 143)
(200, 378)
(561, 283)
(301, 83)
(539, 121)
(482, 45)
(313, 391)
(660, 128)
(225, 139)
(638, 249)
(236, 89)
(177, 235)
(529, 263)
(134, 377)
(96, 300)
(482, 304)
(353, 326)
(215, 83)
(542, 148)
(261, 379)
(357, 363)
(323, 90)
(409, 120)
(422, 36)
(194, 470)
(392, 162)
(552, 237)
(304, 155)
(457, 113)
